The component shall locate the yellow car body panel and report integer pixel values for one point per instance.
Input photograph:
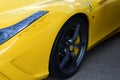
(26, 55)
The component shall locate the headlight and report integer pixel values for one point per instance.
(7, 33)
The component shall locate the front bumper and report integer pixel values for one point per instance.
(20, 61)
(22, 58)
(9, 72)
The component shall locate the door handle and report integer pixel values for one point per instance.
(101, 1)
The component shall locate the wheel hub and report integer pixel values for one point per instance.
(71, 48)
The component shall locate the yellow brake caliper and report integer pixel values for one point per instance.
(76, 49)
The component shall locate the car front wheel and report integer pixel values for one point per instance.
(69, 48)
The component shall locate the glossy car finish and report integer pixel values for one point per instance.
(26, 55)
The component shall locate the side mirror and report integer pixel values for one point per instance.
(101, 1)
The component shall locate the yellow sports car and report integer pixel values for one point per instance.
(42, 37)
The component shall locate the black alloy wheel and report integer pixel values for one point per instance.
(69, 48)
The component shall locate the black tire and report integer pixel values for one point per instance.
(63, 61)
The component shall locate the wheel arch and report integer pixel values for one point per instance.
(84, 17)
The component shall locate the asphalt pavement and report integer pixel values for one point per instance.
(101, 63)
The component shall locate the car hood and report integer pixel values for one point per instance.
(6, 5)
(13, 11)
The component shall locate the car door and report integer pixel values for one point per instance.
(106, 18)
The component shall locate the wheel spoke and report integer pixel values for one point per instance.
(78, 45)
(73, 55)
(76, 33)
(66, 58)
(73, 59)
(74, 62)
